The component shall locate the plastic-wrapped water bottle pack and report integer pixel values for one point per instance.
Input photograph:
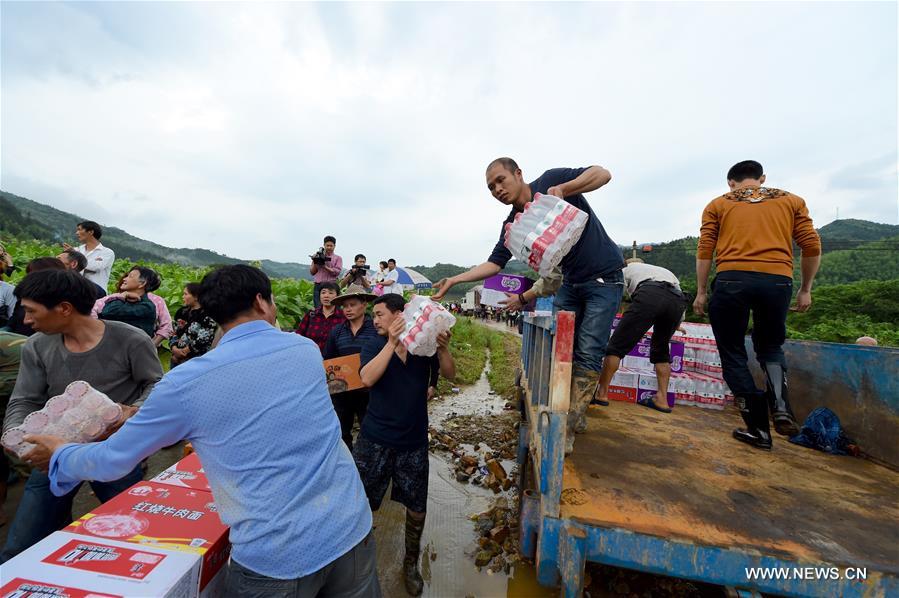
(545, 232)
(80, 414)
(424, 319)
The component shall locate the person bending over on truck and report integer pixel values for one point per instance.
(657, 302)
(393, 443)
(592, 280)
(751, 231)
(258, 414)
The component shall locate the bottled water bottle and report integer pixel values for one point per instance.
(545, 232)
(80, 414)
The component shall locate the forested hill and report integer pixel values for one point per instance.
(24, 218)
(853, 249)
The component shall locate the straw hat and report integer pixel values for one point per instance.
(354, 291)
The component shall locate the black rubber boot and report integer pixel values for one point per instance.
(755, 414)
(778, 400)
(412, 577)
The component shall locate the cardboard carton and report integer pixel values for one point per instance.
(343, 374)
(638, 357)
(496, 287)
(186, 473)
(166, 517)
(65, 564)
(624, 385)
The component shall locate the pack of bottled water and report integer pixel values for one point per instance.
(425, 319)
(545, 232)
(80, 414)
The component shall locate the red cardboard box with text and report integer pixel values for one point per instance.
(64, 564)
(624, 385)
(186, 473)
(166, 517)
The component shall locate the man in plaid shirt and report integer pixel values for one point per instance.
(317, 324)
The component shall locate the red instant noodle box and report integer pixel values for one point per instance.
(162, 516)
(186, 473)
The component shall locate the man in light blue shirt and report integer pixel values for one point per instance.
(259, 415)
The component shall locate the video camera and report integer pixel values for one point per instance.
(360, 269)
(319, 258)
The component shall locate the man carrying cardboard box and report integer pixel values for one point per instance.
(258, 414)
(347, 339)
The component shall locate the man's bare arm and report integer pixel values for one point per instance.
(590, 180)
(480, 272)
(703, 267)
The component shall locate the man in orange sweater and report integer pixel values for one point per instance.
(751, 231)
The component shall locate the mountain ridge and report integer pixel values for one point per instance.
(851, 246)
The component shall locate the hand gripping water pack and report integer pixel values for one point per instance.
(545, 232)
(80, 414)
(424, 319)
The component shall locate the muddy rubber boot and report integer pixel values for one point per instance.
(581, 426)
(583, 385)
(411, 576)
(755, 414)
(778, 400)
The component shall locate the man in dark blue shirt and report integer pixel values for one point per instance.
(393, 443)
(345, 339)
(592, 281)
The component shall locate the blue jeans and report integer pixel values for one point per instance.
(354, 575)
(595, 305)
(736, 294)
(40, 513)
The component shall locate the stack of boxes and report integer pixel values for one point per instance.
(695, 371)
(161, 537)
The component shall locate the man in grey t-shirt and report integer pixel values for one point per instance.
(117, 359)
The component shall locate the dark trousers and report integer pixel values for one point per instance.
(654, 304)
(736, 295)
(354, 575)
(350, 406)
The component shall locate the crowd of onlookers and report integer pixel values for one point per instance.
(133, 302)
(191, 333)
(59, 324)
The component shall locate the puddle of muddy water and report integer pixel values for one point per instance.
(477, 399)
(450, 541)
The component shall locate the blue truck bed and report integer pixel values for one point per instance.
(676, 495)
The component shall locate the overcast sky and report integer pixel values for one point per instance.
(254, 129)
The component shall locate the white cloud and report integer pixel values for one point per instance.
(254, 129)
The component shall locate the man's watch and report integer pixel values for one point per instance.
(522, 300)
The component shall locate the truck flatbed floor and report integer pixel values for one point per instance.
(682, 477)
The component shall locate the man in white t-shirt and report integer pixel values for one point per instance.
(99, 258)
(391, 279)
(658, 302)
